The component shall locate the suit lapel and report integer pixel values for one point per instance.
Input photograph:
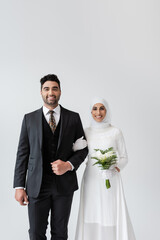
(39, 125)
(64, 121)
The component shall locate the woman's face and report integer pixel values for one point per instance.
(98, 112)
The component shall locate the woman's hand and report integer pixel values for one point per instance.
(79, 144)
(118, 170)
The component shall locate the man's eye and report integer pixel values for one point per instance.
(55, 89)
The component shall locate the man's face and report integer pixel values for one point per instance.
(51, 94)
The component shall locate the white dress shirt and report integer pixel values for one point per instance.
(56, 114)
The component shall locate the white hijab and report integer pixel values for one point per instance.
(106, 122)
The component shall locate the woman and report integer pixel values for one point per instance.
(103, 213)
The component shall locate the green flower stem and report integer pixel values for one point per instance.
(108, 185)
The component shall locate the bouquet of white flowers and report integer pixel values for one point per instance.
(107, 160)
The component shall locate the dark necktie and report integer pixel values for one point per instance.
(52, 122)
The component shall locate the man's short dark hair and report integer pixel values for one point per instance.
(50, 77)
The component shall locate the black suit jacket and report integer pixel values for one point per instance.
(29, 162)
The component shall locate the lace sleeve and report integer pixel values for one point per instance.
(122, 153)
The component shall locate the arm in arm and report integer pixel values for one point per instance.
(78, 156)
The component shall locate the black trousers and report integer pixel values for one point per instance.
(49, 201)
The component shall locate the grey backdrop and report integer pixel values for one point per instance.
(99, 47)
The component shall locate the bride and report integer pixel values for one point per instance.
(103, 213)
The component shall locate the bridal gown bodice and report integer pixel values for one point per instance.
(103, 213)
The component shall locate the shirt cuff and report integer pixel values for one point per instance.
(19, 187)
(71, 165)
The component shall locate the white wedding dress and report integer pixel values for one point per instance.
(103, 213)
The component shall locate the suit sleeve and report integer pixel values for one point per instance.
(22, 157)
(79, 156)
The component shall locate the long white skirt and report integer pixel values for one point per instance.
(103, 213)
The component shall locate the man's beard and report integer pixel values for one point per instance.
(51, 103)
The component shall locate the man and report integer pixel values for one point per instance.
(46, 163)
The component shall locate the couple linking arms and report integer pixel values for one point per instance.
(50, 151)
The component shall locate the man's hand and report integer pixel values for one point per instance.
(21, 197)
(59, 167)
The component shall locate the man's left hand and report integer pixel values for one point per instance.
(60, 167)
